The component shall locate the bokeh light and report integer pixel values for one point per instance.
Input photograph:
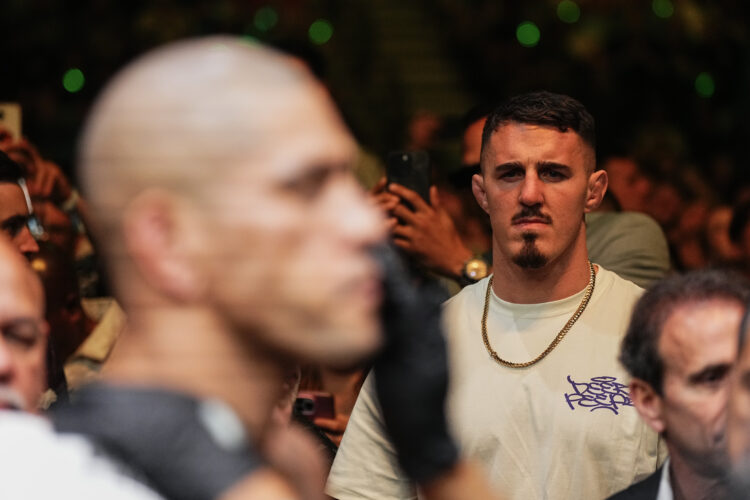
(320, 31)
(568, 11)
(265, 18)
(663, 8)
(704, 85)
(528, 34)
(73, 80)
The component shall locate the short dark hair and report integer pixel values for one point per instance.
(10, 171)
(546, 109)
(639, 352)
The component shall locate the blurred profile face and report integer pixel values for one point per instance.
(457, 198)
(628, 184)
(717, 234)
(14, 215)
(471, 143)
(698, 346)
(535, 186)
(291, 231)
(665, 204)
(23, 337)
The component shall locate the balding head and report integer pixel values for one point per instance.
(180, 115)
(23, 337)
(218, 171)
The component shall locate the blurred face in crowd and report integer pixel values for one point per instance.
(717, 234)
(471, 143)
(23, 333)
(739, 414)
(628, 184)
(14, 215)
(457, 198)
(296, 228)
(536, 185)
(698, 347)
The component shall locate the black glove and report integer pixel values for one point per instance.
(411, 373)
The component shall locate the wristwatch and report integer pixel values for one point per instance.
(473, 270)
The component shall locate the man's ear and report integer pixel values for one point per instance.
(477, 187)
(597, 186)
(648, 403)
(160, 239)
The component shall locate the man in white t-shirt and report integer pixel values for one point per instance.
(536, 395)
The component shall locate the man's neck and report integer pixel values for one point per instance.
(194, 352)
(561, 278)
(691, 483)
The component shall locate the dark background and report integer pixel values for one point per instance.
(633, 63)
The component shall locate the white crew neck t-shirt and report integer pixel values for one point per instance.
(563, 428)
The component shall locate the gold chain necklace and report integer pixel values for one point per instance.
(555, 341)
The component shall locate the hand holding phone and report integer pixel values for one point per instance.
(410, 169)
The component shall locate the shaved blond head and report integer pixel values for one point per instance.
(177, 116)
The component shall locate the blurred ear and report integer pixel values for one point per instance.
(648, 403)
(597, 186)
(160, 233)
(477, 187)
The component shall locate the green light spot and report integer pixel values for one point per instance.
(663, 8)
(528, 34)
(265, 19)
(73, 80)
(704, 85)
(320, 32)
(568, 11)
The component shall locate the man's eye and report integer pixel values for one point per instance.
(23, 333)
(13, 226)
(309, 186)
(712, 376)
(551, 175)
(512, 174)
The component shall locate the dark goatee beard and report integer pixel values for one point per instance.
(530, 257)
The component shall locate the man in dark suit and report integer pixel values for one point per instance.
(680, 349)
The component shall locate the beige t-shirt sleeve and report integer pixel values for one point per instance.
(366, 465)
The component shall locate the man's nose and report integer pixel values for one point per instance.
(359, 220)
(531, 191)
(26, 242)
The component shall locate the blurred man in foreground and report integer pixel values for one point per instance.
(680, 349)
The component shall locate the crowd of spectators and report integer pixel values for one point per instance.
(232, 288)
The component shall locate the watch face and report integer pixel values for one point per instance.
(476, 269)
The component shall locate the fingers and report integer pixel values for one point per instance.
(434, 197)
(387, 201)
(404, 245)
(411, 196)
(401, 231)
(379, 187)
(332, 425)
(403, 213)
